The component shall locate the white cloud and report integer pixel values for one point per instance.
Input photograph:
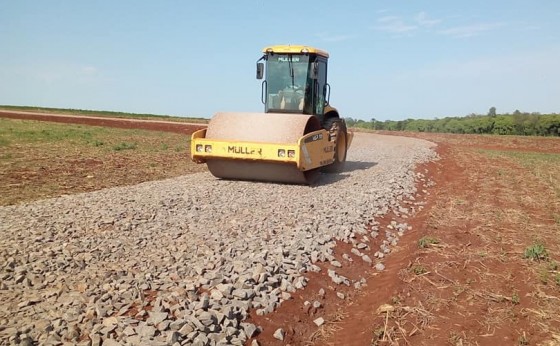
(423, 20)
(394, 25)
(388, 19)
(470, 30)
(400, 25)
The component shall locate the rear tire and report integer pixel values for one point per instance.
(337, 131)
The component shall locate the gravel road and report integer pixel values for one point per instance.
(181, 261)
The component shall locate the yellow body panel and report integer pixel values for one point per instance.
(295, 49)
(311, 151)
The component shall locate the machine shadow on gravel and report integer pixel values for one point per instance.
(350, 166)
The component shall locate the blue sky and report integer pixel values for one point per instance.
(389, 59)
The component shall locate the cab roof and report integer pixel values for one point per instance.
(295, 49)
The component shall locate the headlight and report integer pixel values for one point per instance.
(208, 148)
(199, 148)
(291, 153)
(281, 153)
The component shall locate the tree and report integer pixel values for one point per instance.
(350, 122)
(492, 112)
(503, 125)
(454, 126)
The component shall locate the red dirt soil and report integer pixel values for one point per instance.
(488, 142)
(474, 287)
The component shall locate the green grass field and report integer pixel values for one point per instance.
(93, 139)
(41, 159)
(545, 166)
(102, 113)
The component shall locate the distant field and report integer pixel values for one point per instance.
(103, 114)
(42, 159)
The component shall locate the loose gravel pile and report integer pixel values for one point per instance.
(182, 261)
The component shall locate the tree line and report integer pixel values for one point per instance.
(518, 123)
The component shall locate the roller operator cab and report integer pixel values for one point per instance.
(296, 79)
(299, 135)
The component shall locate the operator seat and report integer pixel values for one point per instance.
(291, 100)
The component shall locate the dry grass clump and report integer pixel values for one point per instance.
(328, 329)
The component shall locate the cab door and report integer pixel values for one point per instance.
(320, 87)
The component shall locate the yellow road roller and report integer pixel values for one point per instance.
(299, 134)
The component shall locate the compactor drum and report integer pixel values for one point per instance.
(299, 134)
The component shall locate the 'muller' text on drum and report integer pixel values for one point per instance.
(244, 150)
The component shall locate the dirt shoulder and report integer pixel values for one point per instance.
(482, 264)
